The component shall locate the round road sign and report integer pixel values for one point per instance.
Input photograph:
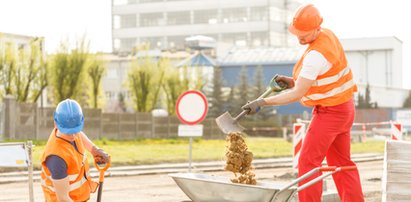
(191, 107)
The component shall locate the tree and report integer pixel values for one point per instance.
(95, 72)
(243, 87)
(216, 96)
(145, 80)
(173, 86)
(68, 72)
(407, 102)
(31, 73)
(364, 102)
(259, 89)
(7, 67)
(23, 72)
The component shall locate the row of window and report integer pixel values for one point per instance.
(178, 42)
(230, 15)
(127, 2)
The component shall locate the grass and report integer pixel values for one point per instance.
(154, 151)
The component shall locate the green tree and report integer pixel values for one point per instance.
(407, 102)
(31, 73)
(95, 72)
(68, 72)
(7, 67)
(259, 89)
(216, 100)
(364, 101)
(242, 91)
(173, 86)
(23, 72)
(145, 80)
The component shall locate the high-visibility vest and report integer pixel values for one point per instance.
(335, 86)
(77, 168)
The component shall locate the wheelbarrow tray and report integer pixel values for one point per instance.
(208, 188)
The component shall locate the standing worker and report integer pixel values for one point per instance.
(65, 171)
(321, 79)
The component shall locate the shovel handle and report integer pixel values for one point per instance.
(100, 189)
(243, 113)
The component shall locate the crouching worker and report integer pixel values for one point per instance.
(65, 171)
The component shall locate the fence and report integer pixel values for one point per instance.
(27, 121)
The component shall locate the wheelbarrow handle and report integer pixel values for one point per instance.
(330, 169)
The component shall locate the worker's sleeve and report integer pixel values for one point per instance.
(314, 64)
(57, 166)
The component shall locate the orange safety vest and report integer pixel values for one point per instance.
(335, 86)
(77, 168)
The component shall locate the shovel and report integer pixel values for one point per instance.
(101, 169)
(228, 124)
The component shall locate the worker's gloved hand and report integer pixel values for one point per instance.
(100, 156)
(284, 82)
(253, 106)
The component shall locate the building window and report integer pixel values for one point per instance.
(259, 38)
(112, 73)
(231, 15)
(277, 14)
(127, 44)
(239, 39)
(155, 42)
(258, 14)
(127, 21)
(116, 22)
(176, 42)
(119, 2)
(116, 44)
(178, 18)
(151, 19)
(206, 17)
(150, 1)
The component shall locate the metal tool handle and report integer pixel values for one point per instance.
(100, 189)
(329, 169)
(244, 112)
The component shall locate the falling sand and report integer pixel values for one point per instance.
(239, 159)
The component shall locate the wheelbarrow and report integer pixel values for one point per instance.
(209, 188)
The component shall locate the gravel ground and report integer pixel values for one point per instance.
(161, 188)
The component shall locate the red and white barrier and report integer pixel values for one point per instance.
(298, 137)
(396, 131)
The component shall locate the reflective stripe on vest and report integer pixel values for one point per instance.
(347, 85)
(73, 186)
(71, 177)
(332, 79)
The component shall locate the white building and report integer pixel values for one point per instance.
(166, 23)
(378, 62)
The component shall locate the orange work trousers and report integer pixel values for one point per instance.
(329, 136)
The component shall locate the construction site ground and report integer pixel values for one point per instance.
(159, 187)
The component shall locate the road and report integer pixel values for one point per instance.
(161, 188)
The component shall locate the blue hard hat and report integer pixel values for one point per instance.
(69, 117)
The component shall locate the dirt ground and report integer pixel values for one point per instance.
(162, 188)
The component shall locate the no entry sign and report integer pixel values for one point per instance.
(191, 107)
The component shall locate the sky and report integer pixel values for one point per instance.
(58, 20)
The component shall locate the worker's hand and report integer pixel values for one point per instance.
(284, 82)
(253, 106)
(100, 156)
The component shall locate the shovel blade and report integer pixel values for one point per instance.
(228, 124)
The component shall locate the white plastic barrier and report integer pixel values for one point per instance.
(298, 137)
(16, 155)
(396, 131)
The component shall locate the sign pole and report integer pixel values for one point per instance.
(30, 170)
(191, 109)
(190, 149)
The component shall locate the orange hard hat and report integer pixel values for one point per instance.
(306, 19)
